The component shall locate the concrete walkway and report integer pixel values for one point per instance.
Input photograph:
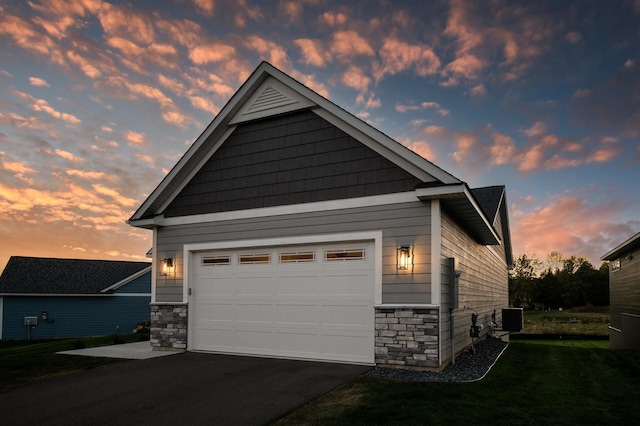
(137, 350)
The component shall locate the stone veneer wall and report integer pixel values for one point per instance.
(407, 337)
(168, 327)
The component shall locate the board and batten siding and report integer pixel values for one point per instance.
(401, 224)
(483, 285)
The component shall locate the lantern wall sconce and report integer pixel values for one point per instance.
(404, 258)
(167, 267)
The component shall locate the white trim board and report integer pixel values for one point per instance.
(320, 206)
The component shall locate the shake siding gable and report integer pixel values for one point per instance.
(400, 224)
(291, 159)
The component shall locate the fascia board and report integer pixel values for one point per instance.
(251, 84)
(126, 280)
(480, 213)
(618, 250)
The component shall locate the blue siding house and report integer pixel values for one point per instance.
(43, 298)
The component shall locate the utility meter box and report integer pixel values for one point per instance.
(31, 321)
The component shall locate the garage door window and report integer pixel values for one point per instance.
(216, 261)
(252, 259)
(297, 257)
(344, 255)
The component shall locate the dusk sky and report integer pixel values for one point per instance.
(99, 99)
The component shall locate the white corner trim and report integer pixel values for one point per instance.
(436, 253)
(436, 266)
(154, 265)
(376, 236)
(320, 206)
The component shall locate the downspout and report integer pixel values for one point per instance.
(453, 335)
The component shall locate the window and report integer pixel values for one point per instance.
(216, 260)
(297, 257)
(615, 265)
(344, 255)
(252, 259)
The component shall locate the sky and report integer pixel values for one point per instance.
(99, 100)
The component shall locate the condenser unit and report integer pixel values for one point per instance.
(512, 319)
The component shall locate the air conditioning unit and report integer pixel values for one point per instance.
(30, 321)
(512, 319)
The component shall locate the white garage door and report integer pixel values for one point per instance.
(312, 302)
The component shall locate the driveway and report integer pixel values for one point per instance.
(183, 389)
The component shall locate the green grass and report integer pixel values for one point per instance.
(567, 322)
(556, 382)
(23, 362)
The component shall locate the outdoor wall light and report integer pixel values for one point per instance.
(167, 266)
(403, 258)
(44, 315)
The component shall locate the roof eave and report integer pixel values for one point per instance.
(618, 251)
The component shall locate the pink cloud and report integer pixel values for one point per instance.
(397, 56)
(124, 22)
(135, 138)
(573, 37)
(206, 7)
(68, 156)
(424, 105)
(355, 78)
(333, 19)
(38, 82)
(212, 52)
(312, 52)
(570, 224)
(348, 44)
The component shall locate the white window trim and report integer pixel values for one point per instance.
(375, 236)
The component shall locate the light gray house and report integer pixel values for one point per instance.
(293, 229)
(624, 294)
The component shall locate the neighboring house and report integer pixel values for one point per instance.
(291, 228)
(72, 298)
(624, 294)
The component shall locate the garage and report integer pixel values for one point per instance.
(293, 301)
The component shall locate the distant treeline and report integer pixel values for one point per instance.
(557, 282)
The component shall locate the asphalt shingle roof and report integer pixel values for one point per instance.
(35, 275)
(489, 199)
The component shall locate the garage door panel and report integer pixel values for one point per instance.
(254, 286)
(297, 314)
(254, 312)
(297, 285)
(315, 309)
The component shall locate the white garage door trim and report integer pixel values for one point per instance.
(192, 254)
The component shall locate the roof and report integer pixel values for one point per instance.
(270, 92)
(35, 275)
(624, 248)
(250, 102)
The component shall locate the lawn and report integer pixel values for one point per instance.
(559, 382)
(576, 322)
(23, 362)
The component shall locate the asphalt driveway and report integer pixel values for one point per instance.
(184, 389)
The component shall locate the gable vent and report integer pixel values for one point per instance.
(270, 98)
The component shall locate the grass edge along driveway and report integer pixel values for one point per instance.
(560, 382)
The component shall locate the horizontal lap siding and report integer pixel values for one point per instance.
(76, 316)
(483, 285)
(400, 224)
(624, 289)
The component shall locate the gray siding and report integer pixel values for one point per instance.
(624, 289)
(402, 224)
(291, 159)
(483, 285)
